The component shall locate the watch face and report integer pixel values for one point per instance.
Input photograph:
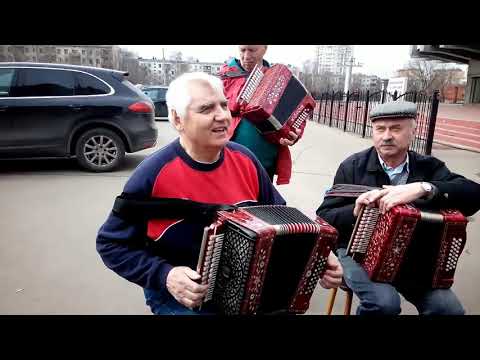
(427, 187)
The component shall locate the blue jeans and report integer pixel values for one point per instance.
(161, 302)
(383, 299)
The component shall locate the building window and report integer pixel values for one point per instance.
(65, 51)
(59, 51)
(83, 52)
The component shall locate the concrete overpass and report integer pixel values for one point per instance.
(462, 54)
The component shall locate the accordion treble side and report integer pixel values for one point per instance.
(276, 102)
(264, 259)
(382, 244)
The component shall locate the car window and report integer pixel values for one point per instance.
(6, 77)
(43, 82)
(161, 94)
(132, 87)
(88, 85)
(151, 93)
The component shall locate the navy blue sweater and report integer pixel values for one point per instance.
(145, 252)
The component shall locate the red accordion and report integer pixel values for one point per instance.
(406, 242)
(276, 102)
(264, 259)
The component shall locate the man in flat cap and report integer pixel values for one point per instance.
(400, 176)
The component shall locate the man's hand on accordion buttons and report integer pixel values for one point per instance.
(293, 137)
(368, 198)
(334, 273)
(400, 194)
(181, 283)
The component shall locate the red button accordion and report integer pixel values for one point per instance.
(276, 102)
(264, 259)
(408, 243)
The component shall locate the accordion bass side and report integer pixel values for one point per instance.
(276, 102)
(427, 243)
(264, 259)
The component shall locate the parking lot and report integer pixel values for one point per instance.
(51, 210)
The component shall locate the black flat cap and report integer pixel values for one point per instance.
(394, 109)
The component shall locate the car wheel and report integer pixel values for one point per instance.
(100, 150)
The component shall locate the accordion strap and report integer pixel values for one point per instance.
(234, 74)
(134, 208)
(348, 190)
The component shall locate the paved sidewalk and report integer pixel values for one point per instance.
(469, 112)
(52, 211)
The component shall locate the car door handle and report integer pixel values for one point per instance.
(3, 108)
(76, 107)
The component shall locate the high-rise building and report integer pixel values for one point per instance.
(332, 58)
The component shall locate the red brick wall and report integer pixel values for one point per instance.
(453, 94)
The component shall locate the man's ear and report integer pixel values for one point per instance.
(176, 120)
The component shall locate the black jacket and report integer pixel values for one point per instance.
(364, 168)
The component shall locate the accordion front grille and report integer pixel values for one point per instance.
(234, 265)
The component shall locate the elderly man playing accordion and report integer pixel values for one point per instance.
(398, 176)
(274, 156)
(157, 245)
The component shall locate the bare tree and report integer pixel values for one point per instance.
(18, 53)
(182, 68)
(128, 61)
(428, 75)
(176, 56)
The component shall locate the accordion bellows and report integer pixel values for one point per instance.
(264, 259)
(276, 102)
(421, 244)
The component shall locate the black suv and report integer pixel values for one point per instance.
(53, 110)
(157, 94)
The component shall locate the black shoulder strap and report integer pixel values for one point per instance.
(133, 208)
(348, 190)
(234, 74)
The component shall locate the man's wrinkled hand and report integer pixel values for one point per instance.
(334, 273)
(400, 194)
(181, 283)
(292, 138)
(369, 199)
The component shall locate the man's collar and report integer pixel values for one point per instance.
(374, 164)
(265, 63)
(387, 168)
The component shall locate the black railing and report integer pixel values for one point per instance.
(350, 112)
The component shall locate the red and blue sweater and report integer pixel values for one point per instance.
(144, 253)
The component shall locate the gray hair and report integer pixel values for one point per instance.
(178, 96)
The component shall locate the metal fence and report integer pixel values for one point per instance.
(350, 112)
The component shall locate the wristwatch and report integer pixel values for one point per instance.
(428, 189)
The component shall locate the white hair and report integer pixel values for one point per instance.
(178, 95)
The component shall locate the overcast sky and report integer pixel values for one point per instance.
(381, 60)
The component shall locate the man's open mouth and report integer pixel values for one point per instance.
(220, 130)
